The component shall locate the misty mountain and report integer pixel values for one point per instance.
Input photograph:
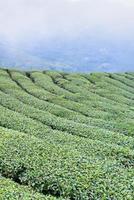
(82, 55)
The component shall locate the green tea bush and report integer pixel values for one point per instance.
(91, 93)
(54, 170)
(123, 80)
(10, 87)
(46, 82)
(60, 123)
(47, 96)
(108, 92)
(17, 121)
(10, 190)
(66, 135)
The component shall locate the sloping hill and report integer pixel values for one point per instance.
(66, 136)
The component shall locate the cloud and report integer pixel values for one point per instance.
(66, 18)
(127, 3)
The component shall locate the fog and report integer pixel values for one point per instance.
(21, 19)
(97, 25)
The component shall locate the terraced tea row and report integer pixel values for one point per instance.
(13, 191)
(44, 81)
(64, 124)
(66, 136)
(83, 109)
(60, 171)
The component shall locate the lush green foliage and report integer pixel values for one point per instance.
(70, 136)
(9, 190)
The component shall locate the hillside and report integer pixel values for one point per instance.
(66, 135)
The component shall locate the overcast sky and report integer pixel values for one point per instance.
(20, 19)
(94, 33)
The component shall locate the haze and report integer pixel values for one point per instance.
(85, 35)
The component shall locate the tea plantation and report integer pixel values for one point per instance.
(66, 135)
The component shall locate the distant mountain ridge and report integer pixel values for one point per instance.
(73, 56)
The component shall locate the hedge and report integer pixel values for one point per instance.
(9, 190)
(59, 171)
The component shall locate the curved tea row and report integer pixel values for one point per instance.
(66, 136)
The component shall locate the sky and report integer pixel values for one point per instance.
(105, 21)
